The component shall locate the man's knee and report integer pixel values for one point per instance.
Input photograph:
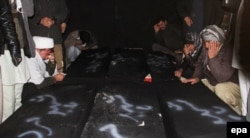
(155, 47)
(228, 94)
(223, 92)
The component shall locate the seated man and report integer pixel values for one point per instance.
(215, 64)
(168, 38)
(39, 76)
(77, 41)
(191, 51)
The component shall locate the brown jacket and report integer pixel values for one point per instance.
(218, 69)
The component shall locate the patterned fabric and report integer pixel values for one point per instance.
(195, 39)
(213, 33)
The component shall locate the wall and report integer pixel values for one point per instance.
(120, 23)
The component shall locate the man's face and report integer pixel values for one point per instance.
(190, 47)
(44, 53)
(162, 25)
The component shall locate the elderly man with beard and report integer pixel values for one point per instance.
(39, 75)
(214, 68)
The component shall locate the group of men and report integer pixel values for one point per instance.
(26, 47)
(205, 54)
(31, 49)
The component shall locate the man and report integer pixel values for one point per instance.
(197, 14)
(77, 41)
(215, 64)
(47, 20)
(14, 72)
(21, 10)
(168, 38)
(39, 76)
(191, 51)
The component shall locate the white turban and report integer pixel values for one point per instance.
(213, 33)
(43, 42)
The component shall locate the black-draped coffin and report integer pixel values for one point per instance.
(104, 95)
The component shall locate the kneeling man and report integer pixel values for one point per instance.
(39, 76)
(214, 67)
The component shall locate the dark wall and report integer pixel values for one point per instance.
(120, 23)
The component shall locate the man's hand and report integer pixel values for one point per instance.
(16, 59)
(78, 42)
(178, 72)
(156, 28)
(59, 77)
(188, 21)
(63, 27)
(51, 57)
(185, 50)
(213, 49)
(191, 80)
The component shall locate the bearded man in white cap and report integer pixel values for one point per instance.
(215, 64)
(39, 76)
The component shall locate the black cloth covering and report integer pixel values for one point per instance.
(194, 111)
(60, 111)
(125, 110)
(104, 95)
(90, 66)
(128, 65)
(161, 66)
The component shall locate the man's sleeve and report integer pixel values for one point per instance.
(221, 65)
(199, 65)
(28, 7)
(182, 9)
(46, 82)
(62, 13)
(71, 39)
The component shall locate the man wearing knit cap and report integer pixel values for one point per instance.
(37, 67)
(214, 68)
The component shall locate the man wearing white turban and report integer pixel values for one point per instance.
(37, 67)
(214, 68)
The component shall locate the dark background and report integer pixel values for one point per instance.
(120, 23)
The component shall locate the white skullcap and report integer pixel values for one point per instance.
(43, 42)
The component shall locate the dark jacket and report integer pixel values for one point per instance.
(56, 9)
(218, 69)
(189, 60)
(170, 38)
(212, 11)
(8, 34)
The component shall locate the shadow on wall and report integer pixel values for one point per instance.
(119, 23)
